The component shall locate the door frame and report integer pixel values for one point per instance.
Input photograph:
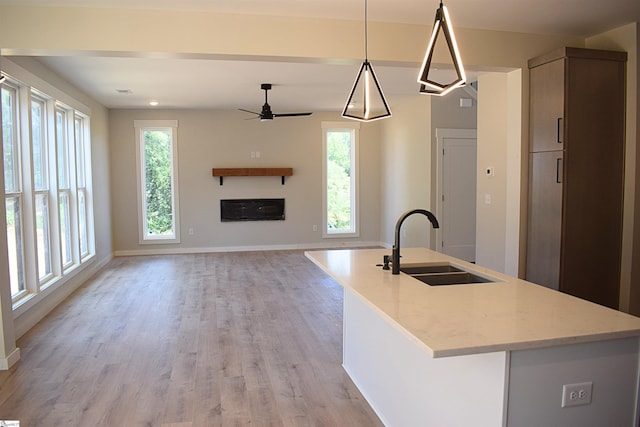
(441, 135)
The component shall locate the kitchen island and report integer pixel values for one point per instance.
(482, 354)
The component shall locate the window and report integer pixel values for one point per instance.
(157, 181)
(13, 189)
(47, 195)
(40, 156)
(340, 172)
(64, 186)
(85, 214)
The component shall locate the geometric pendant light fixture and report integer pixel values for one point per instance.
(366, 101)
(428, 85)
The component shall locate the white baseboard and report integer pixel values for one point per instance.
(214, 249)
(10, 360)
(35, 308)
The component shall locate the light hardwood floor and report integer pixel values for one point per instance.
(223, 339)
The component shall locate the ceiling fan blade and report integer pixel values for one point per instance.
(266, 115)
(291, 114)
(248, 111)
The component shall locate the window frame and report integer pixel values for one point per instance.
(29, 88)
(142, 126)
(64, 153)
(41, 189)
(17, 193)
(354, 129)
(83, 211)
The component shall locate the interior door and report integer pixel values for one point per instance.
(457, 198)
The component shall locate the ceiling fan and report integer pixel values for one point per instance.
(266, 114)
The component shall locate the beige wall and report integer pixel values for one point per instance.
(627, 39)
(215, 138)
(492, 152)
(406, 170)
(499, 147)
(200, 33)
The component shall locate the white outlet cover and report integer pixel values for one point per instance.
(576, 394)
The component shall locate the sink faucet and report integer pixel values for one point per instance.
(395, 254)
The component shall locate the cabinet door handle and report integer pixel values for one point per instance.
(560, 130)
(559, 166)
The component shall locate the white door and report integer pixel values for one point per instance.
(456, 192)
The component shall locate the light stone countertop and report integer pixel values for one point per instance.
(509, 314)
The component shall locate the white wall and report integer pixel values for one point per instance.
(222, 139)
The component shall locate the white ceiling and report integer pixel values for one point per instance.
(206, 83)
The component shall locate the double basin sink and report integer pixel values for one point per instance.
(442, 274)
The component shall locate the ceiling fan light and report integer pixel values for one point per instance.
(442, 23)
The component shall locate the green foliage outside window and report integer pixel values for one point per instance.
(339, 180)
(157, 151)
(7, 140)
(8, 149)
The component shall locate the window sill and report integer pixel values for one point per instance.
(24, 299)
(340, 235)
(31, 299)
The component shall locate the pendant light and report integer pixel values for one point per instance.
(366, 101)
(427, 85)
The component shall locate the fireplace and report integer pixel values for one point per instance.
(251, 210)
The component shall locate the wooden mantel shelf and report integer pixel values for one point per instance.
(222, 172)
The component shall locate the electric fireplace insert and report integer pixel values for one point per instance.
(251, 210)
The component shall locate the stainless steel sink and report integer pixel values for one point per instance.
(443, 274)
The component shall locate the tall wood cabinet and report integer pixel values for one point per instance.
(576, 161)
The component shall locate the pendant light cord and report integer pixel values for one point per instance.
(366, 35)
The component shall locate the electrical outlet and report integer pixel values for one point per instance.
(576, 394)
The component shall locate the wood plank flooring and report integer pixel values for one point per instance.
(221, 339)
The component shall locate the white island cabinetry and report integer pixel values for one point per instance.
(489, 354)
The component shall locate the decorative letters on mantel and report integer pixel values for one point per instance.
(281, 172)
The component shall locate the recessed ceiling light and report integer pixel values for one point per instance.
(153, 103)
